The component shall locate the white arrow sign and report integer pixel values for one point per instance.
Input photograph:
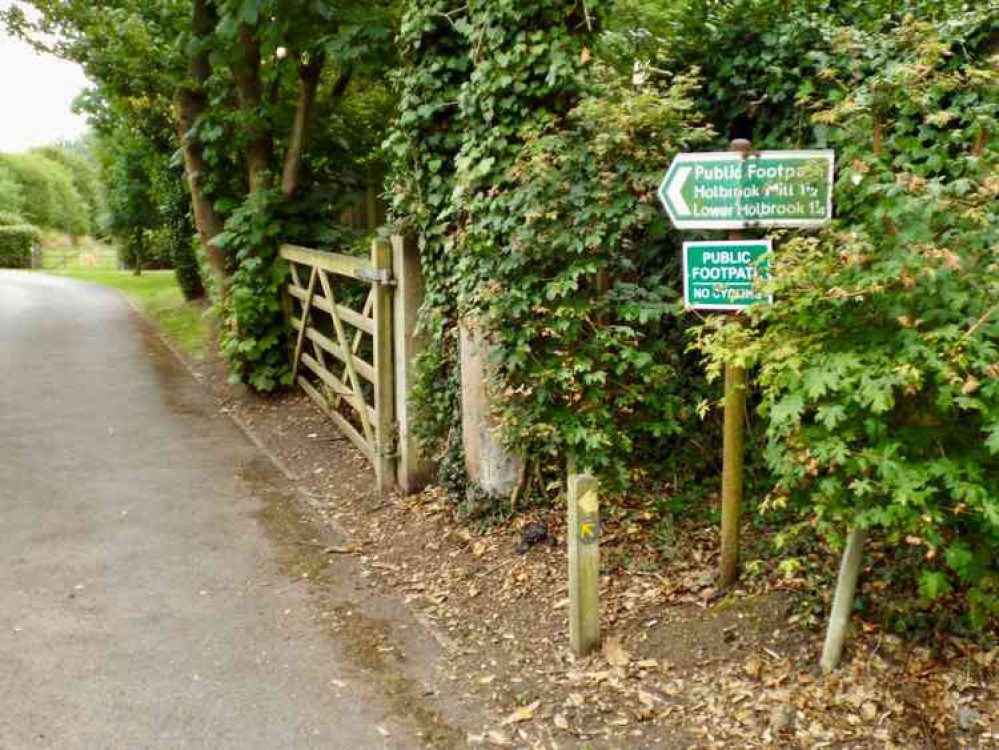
(675, 192)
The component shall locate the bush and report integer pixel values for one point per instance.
(586, 368)
(50, 200)
(83, 175)
(175, 207)
(252, 331)
(8, 219)
(186, 267)
(16, 244)
(878, 362)
(423, 144)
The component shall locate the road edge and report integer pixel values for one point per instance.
(235, 418)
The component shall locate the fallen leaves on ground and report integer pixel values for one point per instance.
(679, 666)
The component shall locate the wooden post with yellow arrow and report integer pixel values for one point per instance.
(584, 563)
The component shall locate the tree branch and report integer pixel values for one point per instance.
(249, 91)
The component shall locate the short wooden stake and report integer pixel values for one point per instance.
(733, 451)
(846, 588)
(584, 563)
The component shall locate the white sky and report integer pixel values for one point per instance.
(36, 92)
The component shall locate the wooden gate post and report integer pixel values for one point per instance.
(385, 448)
(413, 469)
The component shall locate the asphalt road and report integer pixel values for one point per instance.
(142, 604)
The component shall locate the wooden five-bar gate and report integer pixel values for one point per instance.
(352, 321)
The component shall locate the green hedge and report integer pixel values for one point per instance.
(8, 219)
(16, 243)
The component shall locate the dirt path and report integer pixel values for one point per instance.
(155, 570)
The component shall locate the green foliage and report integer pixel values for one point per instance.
(49, 198)
(131, 208)
(8, 219)
(11, 197)
(252, 332)
(83, 174)
(528, 73)
(16, 244)
(878, 363)
(528, 170)
(762, 78)
(148, 208)
(530, 138)
(596, 372)
(240, 78)
(153, 248)
(424, 143)
(344, 157)
(176, 209)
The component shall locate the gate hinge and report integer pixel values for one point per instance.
(382, 276)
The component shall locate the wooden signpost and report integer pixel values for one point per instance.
(739, 190)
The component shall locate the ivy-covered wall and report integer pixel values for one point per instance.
(427, 137)
(527, 168)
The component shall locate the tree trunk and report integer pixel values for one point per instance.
(138, 252)
(308, 75)
(249, 90)
(189, 105)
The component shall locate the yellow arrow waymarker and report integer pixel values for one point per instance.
(586, 530)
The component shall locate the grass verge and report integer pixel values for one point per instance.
(157, 294)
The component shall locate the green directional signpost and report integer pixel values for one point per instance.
(740, 190)
(730, 190)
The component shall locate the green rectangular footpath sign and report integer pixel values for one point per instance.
(729, 190)
(720, 275)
